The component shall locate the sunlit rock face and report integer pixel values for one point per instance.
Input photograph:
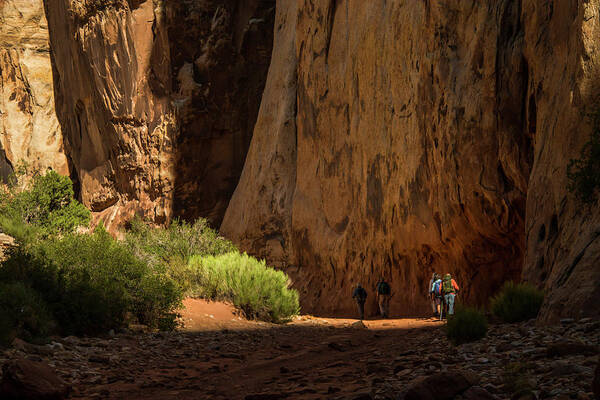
(157, 100)
(29, 130)
(397, 138)
(392, 141)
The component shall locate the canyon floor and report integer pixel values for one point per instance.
(218, 355)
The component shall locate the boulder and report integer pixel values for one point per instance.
(562, 349)
(31, 380)
(477, 393)
(443, 385)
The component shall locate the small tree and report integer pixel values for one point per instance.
(46, 204)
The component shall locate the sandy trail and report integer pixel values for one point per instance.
(219, 355)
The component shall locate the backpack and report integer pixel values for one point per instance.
(360, 294)
(437, 288)
(447, 286)
(383, 288)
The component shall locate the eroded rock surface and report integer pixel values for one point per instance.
(219, 65)
(563, 236)
(157, 100)
(398, 138)
(405, 154)
(29, 129)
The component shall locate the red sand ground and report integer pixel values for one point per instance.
(222, 356)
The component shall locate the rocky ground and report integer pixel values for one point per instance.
(220, 356)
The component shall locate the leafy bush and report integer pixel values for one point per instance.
(517, 302)
(44, 206)
(584, 173)
(91, 282)
(22, 313)
(259, 291)
(466, 325)
(178, 242)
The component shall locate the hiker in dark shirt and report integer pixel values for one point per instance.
(360, 296)
(383, 297)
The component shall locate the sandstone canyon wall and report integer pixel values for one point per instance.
(400, 138)
(157, 100)
(29, 129)
(563, 235)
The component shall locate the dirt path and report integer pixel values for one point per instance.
(221, 356)
(218, 355)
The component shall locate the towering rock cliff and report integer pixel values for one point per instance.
(400, 138)
(563, 235)
(157, 100)
(29, 130)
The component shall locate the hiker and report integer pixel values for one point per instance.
(435, 295)
(431, 295)
(450, 290)
(383, 297)
(438, 296)
(360, 296)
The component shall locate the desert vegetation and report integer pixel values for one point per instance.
(60, 280)
(466, 325)
(517, 302)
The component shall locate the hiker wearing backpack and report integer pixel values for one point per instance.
(383, 297)
(360, 296)
(431, 294)
(450, 290)
(438, 296)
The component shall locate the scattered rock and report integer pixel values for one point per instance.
(25, 379)
(477, 393)
(596, 384)
(570, 348)
(266, 396)
(443, 385)
(359, 325)
(562, 368)
(524, 395)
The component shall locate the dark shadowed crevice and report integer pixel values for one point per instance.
(6, 168)
(219, 65)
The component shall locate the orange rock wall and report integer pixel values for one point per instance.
(398, 138)
(29, 129)
(157, 100)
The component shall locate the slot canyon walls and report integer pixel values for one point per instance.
(157, 100)
(563, 235)
(394, 138)
(29, 129)
(397, 138)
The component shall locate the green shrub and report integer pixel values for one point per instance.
(22, 313)
(177, 243)
(259, 291)
(584, 173)
(466, 325)
(517, 302)
(44, 206)
(91, 282)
